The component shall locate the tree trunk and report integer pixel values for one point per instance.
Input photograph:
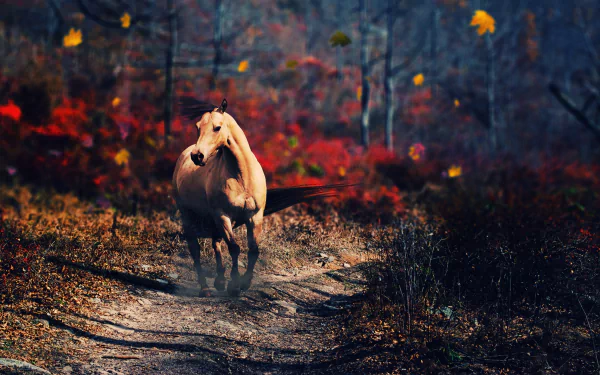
(491, 93)
(435, 17)
(169, 70)
(389, 79)
(217, 42)
(338, 49)
(364, 68)
(309, 31)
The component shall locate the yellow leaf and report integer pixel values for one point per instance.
(116, 101)
(339, 39)
(291, 64)
(454, 171)
(413, 154)
(358, 92)
(484, 21)
(73, 38)
(243, 66)
(273, 94)
(419, 79)
(342, 171)
(122, 157)
(150, 142)
(125, 20)
(416, 151)
(456, 103)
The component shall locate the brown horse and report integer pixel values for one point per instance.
(219, 184)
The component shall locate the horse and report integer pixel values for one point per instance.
(218, 185)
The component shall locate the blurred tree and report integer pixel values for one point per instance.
(591, 83)
(170, 58)
(394, 10)
(121, 15)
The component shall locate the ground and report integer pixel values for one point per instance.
(91, 290)
(88, 301)
(284, 324)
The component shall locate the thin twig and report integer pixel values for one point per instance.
(591, 334)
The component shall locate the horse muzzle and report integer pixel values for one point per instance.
(198, 158)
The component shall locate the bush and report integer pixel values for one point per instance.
(507, 268)
(407, 277)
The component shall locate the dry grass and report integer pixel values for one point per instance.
(485, 288)
(38, 226)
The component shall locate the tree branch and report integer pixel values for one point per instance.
(572, 109)
(57, 12)
(237, 33)
(106, 23)
(412, 56)
(114, 24)
(588, 102)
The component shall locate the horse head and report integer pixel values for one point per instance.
(213, 132)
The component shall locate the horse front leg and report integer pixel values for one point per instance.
(189, 233)
(254, 228)
(224, 223)
(217, 243)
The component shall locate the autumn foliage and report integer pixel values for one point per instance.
(111, 154)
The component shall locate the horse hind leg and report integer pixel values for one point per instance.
(217, 243)
(233, 287)
(254, 227)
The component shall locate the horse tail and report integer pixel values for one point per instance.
(281, 198)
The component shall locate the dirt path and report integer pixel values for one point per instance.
(285, 324)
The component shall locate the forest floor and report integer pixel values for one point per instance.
(286, 323)
(86, 299)
(91, 290)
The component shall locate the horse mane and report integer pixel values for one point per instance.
(193, 108)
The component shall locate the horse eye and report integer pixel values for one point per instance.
(217, 128)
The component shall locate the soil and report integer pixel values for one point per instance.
(286, 323)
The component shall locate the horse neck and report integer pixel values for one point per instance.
(239, 152)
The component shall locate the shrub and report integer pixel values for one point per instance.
(408, 273)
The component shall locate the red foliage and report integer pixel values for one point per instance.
(10, 110)
(76, 149)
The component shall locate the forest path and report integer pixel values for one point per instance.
(286, 323)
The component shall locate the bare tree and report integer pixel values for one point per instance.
(391, 71)
(491, 92)
(591, 86)
(107, 14)
(365, 71)
(171, 51)
(217, 41)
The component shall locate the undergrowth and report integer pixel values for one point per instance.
(490, 278)
(44, 233)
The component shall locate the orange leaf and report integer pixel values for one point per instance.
(125, 20)
(73, 38)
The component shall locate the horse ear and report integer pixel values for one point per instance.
(223, 106)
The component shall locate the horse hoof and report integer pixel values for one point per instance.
(220, 284)
(245, 284)
(205, 292)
